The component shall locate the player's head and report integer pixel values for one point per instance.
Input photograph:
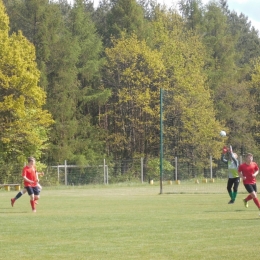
(229, 154)
(31, 160)
(249, 157)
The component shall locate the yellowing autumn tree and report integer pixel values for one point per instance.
(23, 122)
(135, 75)
(255, 100)
(191, 129)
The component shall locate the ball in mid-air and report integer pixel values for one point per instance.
(222, 133)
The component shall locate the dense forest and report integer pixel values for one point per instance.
(80, 83)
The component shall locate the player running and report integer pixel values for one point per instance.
(20, 193)
(31, 180)
(248, 172)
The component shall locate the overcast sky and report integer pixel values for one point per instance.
(250, 8)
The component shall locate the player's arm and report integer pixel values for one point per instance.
(223, 159)
(255, 174)
(240, 173)
(234, 159)
(25, 178)
(40, 173)
(37, 177)
(28, 180)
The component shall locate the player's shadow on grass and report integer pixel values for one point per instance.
(254, 218)
(226, 211)
(9, 211)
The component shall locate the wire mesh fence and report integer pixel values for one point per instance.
(179, 175)
(11, 173)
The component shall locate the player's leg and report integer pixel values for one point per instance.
(229, 189)
(36, 198)
(250, 196)
(36, 192)
(18, 195)
(235, 188)
(254, 196)
(31, 194)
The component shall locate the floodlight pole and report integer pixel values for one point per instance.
(161, 140)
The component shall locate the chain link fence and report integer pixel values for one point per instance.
(178, 174)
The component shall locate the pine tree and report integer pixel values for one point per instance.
(91, 93)
(126, 15)
(192, 13)
(248, 42)
(220, 44)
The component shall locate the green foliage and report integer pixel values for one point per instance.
(220, 44)
(192, 12)
(154, 167)
(201, 58)
(69, 57)
(187, 100)
(248, 42)
(255, 91)
(135, 74)
(125, 16)
(91, 93)
(24, 124)
(235, 106)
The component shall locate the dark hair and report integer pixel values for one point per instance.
(31, 159)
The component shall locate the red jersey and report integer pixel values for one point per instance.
(247, 171)
(29, 173)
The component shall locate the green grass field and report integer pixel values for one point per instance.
(127, 222)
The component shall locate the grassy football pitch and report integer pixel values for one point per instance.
(127, 222)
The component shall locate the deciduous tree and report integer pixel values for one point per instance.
(23, 122)
(135, 75)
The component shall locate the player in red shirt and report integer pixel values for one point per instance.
(248, 171)
(22, 192)
(30, 181)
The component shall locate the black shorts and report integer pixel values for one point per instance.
(250, 187)
(32, 190)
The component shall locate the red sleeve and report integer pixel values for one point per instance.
(24, 171)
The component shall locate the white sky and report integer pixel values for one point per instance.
(250, 8)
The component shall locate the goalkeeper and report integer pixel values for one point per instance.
(230, 159)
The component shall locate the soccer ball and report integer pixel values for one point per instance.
(222, 133)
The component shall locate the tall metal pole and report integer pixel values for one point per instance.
(66, 175)
(211, 175)
(176, 168)
(142, 170)
(161, 140)
(104, 170)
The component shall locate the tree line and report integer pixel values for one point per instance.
(81, 84)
